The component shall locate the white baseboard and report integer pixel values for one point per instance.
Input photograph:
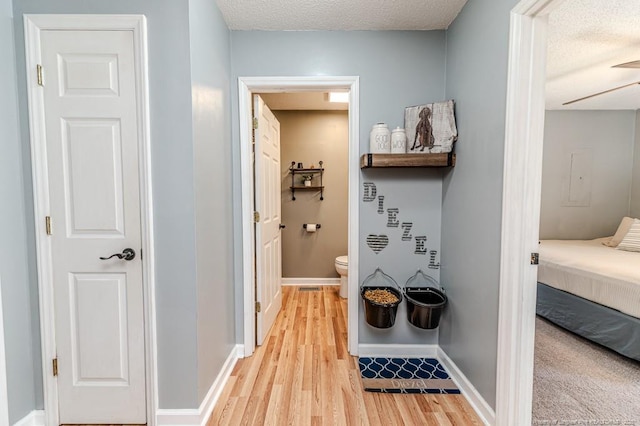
(310, 281)
(477, 402)
(200, 416)
(34, 418)
(183, 417)
(399, 351)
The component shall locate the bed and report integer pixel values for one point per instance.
(592, 290)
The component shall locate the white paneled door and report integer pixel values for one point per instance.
(92, 159)
(268, 241)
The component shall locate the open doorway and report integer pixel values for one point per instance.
(521, 208)
(587, 340)
(301, 146)
(248, 87)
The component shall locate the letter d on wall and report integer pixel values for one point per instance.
(370, 192)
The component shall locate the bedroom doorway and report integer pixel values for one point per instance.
(525, 117)
(521, 209)
(587, 328)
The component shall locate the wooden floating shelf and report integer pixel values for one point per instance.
(445, 159)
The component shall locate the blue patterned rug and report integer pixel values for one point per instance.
(405, 375)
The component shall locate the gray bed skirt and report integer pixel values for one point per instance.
(606, 326)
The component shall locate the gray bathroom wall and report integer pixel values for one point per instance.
(477, 54)
(18, 291)
(210, 75)
(397, 69)
(608, 137)
(635, 185)
(307, 137)
(173, 180)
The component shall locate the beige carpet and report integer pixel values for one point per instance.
(578, 382)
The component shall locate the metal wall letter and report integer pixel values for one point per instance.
(421, 247)
(380, 204)
(392, 221)
(406, 231)
(370, 191)
(432, 260)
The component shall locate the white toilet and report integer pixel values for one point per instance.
(342, 268)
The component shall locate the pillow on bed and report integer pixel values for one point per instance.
(631, 241)
(623, 228)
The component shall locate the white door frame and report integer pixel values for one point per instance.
(525, 109)
(247, 86)
(4, 393)
(34, 24)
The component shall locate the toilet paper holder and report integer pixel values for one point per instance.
(318, 226)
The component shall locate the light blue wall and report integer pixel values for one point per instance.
(610, 136)
(173, 186)
(397, 69)
(477, 53)
(210, 75)
(18, 290)
(635, 185)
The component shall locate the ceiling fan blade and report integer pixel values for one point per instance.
(601, 93)
(632, 64)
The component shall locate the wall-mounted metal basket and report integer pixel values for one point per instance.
(425, 301)
(377, 314)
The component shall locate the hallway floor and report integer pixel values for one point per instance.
(303, 375)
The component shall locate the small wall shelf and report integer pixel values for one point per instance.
(301, 171)
(446, 159)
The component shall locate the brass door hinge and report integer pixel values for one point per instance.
(258, 307)
(256, 217)
(534, 258)
(47, 225)
(39, 74)
(255, 123)
(55, 367)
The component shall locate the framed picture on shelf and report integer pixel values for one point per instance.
(430, 128)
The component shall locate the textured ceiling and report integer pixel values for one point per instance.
(586, 38)
(284, 15)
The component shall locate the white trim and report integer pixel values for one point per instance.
(246, 85)
(34, 24)
(34, 418)
(209, 401)
(477, 402)
(303, 282)
(200, 416)
(398, 351)
(4, 393)
(248, 238)
(353, 285)
(183, 417)
(521, 210)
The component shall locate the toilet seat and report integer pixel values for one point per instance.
(342, 260)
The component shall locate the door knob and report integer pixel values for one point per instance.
(282, 226)
(127, 254)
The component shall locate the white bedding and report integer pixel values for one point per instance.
(592, 271)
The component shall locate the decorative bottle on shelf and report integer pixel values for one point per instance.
(380, 139)
(398, 141)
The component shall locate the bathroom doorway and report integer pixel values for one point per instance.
(298, 85)
(314, 150)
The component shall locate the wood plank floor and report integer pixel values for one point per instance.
(303, 375)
